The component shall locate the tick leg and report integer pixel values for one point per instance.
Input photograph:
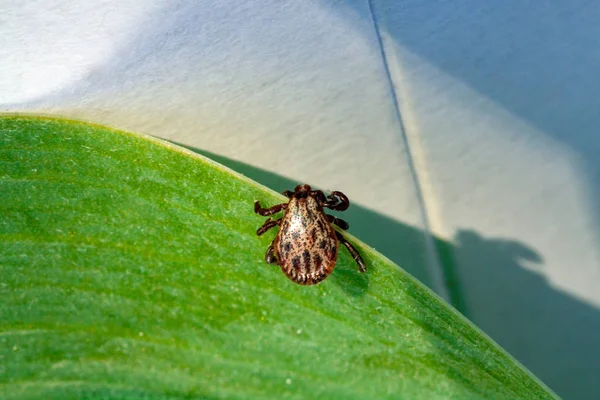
(288, 194)
(337, 201)
(320, 196)
(339, 222)
(270, 254)
(353, 252)
(268, 211)
(269, 223)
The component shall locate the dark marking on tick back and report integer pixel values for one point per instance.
(306, 245)
(313, 235)
(321, 225)
(331, 250)
(306, 258)
(318, 261)
(296, 262)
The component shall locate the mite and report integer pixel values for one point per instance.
(306, 246)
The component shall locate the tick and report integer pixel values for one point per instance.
(306, 246)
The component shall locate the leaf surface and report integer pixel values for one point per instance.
(130, 268)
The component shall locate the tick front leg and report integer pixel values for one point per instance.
(288, 193)
(337, 201)
(353, 252)
(268, 211)
(270, 254)
(337, 221)
(269, 223)
(320, 196)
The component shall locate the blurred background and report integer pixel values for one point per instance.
(465, 133)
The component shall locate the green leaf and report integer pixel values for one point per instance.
(130, 268)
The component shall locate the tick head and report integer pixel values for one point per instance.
(302, 191)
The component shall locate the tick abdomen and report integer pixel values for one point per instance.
(306, 244)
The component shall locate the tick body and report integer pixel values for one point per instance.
(306, 246)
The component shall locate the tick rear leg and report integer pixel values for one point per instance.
(338, 221)
(269, 223)
(268, 211)
(270, 254)
(353, 252)
(337, 201)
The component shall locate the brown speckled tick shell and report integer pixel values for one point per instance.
(306, 244)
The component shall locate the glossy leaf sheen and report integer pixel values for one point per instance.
(130, 268)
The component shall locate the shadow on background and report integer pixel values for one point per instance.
(501, 274)
(539, 61)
